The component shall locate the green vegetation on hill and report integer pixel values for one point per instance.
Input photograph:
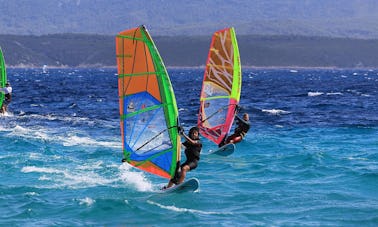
(75, 50)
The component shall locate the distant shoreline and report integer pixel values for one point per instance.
(95, 51)
(203, 67)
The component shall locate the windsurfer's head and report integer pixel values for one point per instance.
(246, 117)
(7, 84)
(194, 133)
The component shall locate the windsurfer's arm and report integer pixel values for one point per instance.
(241, 120)
(194, 142)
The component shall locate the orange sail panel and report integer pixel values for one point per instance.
(221, 86)
(147, 105)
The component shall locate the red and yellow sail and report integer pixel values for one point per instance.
(221, 86)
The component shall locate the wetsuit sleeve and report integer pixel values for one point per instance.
(198, 144)
(241, 120)
(186, 143)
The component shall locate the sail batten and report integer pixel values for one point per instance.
(139, 74)
(221, 86)
(148, 109)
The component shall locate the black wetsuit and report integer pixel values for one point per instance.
(192, 153)
(7, 98)
(243, 126)
(241, 130)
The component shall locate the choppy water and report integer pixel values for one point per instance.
(310, 158)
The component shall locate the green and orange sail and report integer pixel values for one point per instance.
(221, 86)
(147, 105)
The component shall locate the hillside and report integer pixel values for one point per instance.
(80, 50)
(329, 18)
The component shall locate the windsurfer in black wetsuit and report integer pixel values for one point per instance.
(241, 130)
(7, 90)
(193, 147)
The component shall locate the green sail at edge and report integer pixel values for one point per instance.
(3, 76)
(168, 97)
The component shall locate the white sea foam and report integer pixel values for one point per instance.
(334, 93)
(80, 179)
(29, 169)
(275, 111)
(52, 117)
(44, 178)
(37, 133)
(92, 166)
(31, 193)
(69, 177)
(312, 94)
(133, 178)
(56, 135)
(178, 209)
(357, 158)
(41, 157)
(6, 114)
(74, 140)
(86, 201)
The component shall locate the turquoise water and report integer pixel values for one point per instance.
(310, 158)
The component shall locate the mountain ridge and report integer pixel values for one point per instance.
(336, 18)
(80, 50)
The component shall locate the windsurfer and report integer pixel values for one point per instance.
(193, 148)
(241, 130)
(7, 90)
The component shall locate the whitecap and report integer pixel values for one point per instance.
(86, 141)
(52, 117)
(178, 209)
(135, 179)
(31, 193)
(312, 94)
(44, 178)
(30, 169)
(92, 166)
(77, 179)
(357, 158)
(36, 105)
(334, 93)
(20, 131)
(69, 177)
(275, 111)
(6, 114)
(86, 201)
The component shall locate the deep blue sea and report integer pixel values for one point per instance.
(310, 158)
